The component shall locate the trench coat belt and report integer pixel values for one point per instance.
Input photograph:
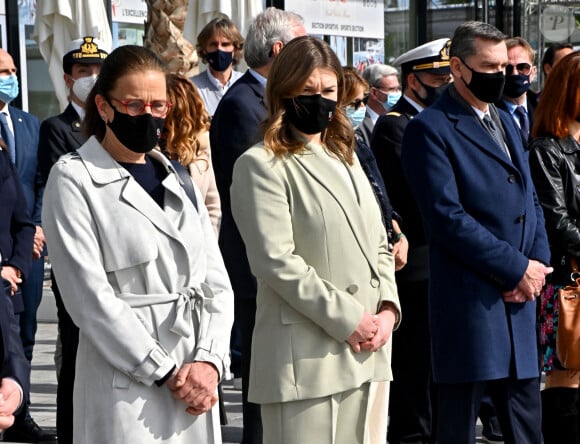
(189, 307)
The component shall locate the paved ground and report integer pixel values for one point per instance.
(43, 395)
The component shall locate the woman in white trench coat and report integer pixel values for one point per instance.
(139, 270)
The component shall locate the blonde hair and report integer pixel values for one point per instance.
(186, 120)
(289, 73)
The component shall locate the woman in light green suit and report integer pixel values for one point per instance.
(327, 301)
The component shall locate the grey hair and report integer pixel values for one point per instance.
(463, 42)
(270, 26)
(373, 74)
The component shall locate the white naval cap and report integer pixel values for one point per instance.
(432, 57)
(85, 50)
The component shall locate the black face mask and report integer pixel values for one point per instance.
(487, 87)
(219, 60)
(309, 114)
(433, 92)
(140, 134)
(516, 85)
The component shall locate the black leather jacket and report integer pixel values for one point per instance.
(555, 167)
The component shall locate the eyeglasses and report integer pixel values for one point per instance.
(159, 108)
(523, 68)
(358, 103)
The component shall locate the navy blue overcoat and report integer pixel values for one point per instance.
(483, 223)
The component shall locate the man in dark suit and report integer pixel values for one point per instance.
(425, 73)
(14, 367)
(466, 166)
(59, 135)
(518, 100)
(234, 129)
(16, 239)
(19, 131)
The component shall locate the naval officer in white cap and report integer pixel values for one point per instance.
(425, 72)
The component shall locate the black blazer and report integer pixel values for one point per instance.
(58, 135)
(386, 145)
(16, 228)
(13, 363)
(234, 129)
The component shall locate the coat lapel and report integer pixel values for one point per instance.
(104, 170)
(467, 123)
(72, 117)
(353, 205)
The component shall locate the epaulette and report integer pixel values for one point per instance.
(394, 113)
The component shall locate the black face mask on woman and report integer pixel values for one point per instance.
(487, 87)
(309, 114)
(138, 133)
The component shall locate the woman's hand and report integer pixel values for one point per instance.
(195, 384)
(12, 275)
(365, 330)
(385, 321)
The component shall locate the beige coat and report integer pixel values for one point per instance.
(319, 251)
(147, 288)
(201, 171)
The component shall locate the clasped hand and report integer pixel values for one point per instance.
(373, 331)
(12, 275)
(195, 384)
(531, 283)
(10, 399)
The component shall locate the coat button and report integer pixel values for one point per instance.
(352, 289)
(374, 282)
(511, 178)
(521, 218)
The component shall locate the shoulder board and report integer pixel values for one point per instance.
(394, 113)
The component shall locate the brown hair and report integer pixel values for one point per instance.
(519, 41)
(353, 81)
(224, 27)
(289, 73)
(559, 104)
(185, 121)
(122, 61)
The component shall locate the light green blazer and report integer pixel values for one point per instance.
(318, 249)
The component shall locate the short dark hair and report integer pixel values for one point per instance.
(463, 42)
(122, 61)
(551, 51)
(225, 27)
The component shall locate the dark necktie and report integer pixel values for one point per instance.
(8, 137)
(522, 115)
(495, 133)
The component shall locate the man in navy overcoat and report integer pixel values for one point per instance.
(488, 245)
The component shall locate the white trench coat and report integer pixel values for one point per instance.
(148, 289)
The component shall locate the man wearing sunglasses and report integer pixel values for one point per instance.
(518, 100)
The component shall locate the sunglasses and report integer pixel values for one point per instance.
(522, 68)
(356, 104)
